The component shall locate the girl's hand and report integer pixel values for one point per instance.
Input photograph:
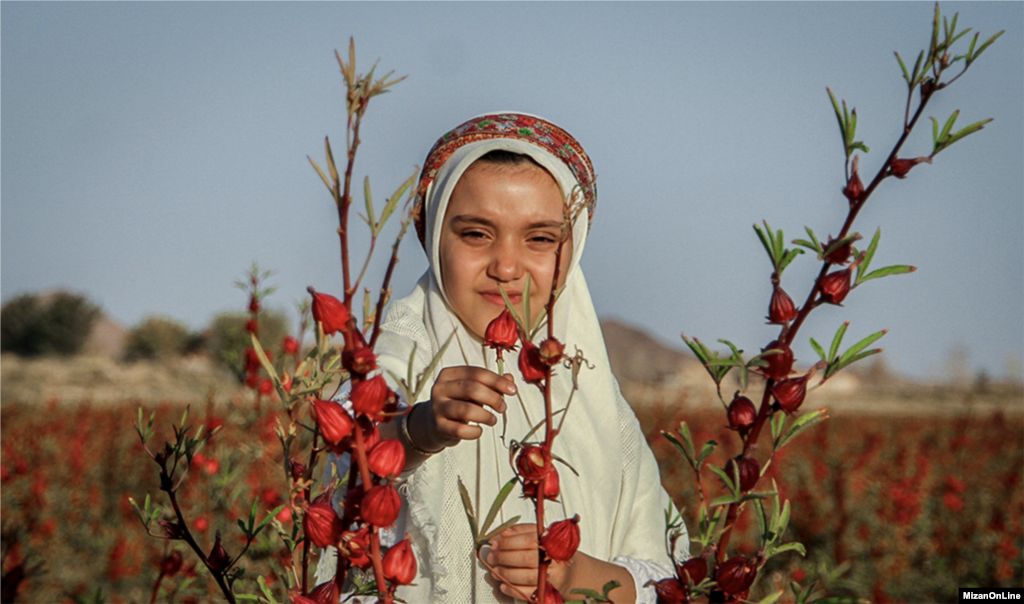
(513, 555)
(457, 398)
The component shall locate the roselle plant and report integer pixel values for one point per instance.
(305, 388)
(714, 574)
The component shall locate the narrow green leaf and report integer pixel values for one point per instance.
(331, 167)
(803, 423)
(935, 133)
(885, 272)
(967, 131)
(497, 531)
(778, 421)
(789, 256)
(949, 124)
(269, 517)
(818, 349)
(780, 244)
(512, 309)
(837, 341)
(263, 358)
(726, 479)
(245, 529)
(857, 357)
(723, 500)
(429, 371)
(906, 75)
(682, 449)
(706, 451)
(970, 49)
(783, 518)
(918, 68)
(252, 515)
(766, 243)
(772, 597)
(368, 196)
(498, 502)
(762, 522)
(527, 316)
(987, 44)
(266, 590)
(467, 503)
(807, 244)
(791, 547)
(861, 345)
(323, 176)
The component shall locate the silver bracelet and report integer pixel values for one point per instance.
(403, 427)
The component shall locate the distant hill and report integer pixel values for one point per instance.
(636, 357)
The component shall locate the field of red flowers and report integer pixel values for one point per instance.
(890, 509)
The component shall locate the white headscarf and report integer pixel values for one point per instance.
(618, 493)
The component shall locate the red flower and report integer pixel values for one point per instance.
(551, 595)
(329, 311)
(835, 285)
(779, 363)
(900, 167)
(750, 472)
(321, 522)
(790, 393)
(387, 458)
(254, 304)
(250, 326)
(741, 415)
(551, 351)
(370, 396)
(266, 386)
(291, 345)
(551, 486)
(533, 463)
(334, 421)
(400, 563)
(736, 575)
(781, 309)
(357, 358)
(325, 593)
(201, 524)
(854, 187)
(531, 365)
(171, 564)
(694, 570)
(354, 545)
(380, 506)
(562, 539)
(672, 591)
(219, 558)
(502, 333)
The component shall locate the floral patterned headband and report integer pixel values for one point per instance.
(537, 131)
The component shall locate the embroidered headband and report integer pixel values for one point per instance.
(534, 130)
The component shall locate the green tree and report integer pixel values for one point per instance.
(60, 323)
(157, 338)
(227, 338)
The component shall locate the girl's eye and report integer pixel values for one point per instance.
(473, 235)
(543, 239)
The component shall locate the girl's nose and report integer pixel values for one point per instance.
(505, 265)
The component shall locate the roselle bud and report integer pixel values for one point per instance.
(171, 564)
(290, 345)
(355, 545)
(562, 539)
(254, 304)
(298, 598)
(321, 523)
(252, 379)
(387, 458)
(380, 506)
(781, 309)
(329, 312)
(502, 333)
(693, 570)
(533, 463)
(750, 472)
(854, 187)
(551, 595)
(736, 575)
(672, 591)
(790, 393)
(252, 360)
(368, 397)
(219, 559)
(531, 366)
(551, 351)
(742, 414)
(173, 529)
(834, 286)
(357, 358)
(325, 593)
(840, 255)
(779, 363)
(250, 326)
(298, 469)
(265, 387)
(551, 486)
(335, 422)
(900, 167)
(400, 563)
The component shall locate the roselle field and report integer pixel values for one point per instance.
(904, 494)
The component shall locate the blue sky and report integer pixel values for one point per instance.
(152, 151)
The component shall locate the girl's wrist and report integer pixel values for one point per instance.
(416, 443)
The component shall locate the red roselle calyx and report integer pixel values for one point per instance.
(551, 351)
(219, 558)
(298, 469)
(562, 539)
(370, 433)
(380, 506)
(254, 304)
(900, 167)
(250, 326)
(321, 523)
(330, 312)
(790, 393)
(834, 286)
(290, 345)
(672, 591)
(781, 309)
(533, 463)
(356, 357)
(325, 593)
(736, 575)
(694, 570)
(531, 365)
(742, 414)
(387, 458)
(400, 563)
(334, 421)
(171, 564)
(551, 595)
(551, 486)
(779, 363)
(370, 396)
(750, 472)
(355, 546)
(502, 333)
(854, 187)
(841, 255)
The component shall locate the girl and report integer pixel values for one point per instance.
(490, 212)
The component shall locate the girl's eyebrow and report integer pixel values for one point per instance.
(471, 219)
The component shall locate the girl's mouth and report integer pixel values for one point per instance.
(496, 299)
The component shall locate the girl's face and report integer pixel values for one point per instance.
(502, 223)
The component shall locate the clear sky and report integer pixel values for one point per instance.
(152, 151)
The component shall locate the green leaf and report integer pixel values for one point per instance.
(330, 163)
(269, 517)
(837, 341)
(484, 540)
(835, 245)
(949, 124)
(512, 309)
(368, 196)
(762, 522)
(906, 75)
(967, 131)
(723, 500)
(772, 597)
(918, 67)
(705, 452)
(392, 202)
(266, 590)
(420, 382)
(467, 503)
(498, 502)
(527, 316)
(263, 359)
(985, 45)
(323, 176)
(802, 423)
(885, 272)
(861, 345)
(858, 357)
(790, 547)
(765, 241)
(783, 520)
(788, 257)
(733, 488)
(818, 349)
(778, 420)
(682, 449)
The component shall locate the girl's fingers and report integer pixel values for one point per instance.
(466, 412)
(514, 559)
(458, 430)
